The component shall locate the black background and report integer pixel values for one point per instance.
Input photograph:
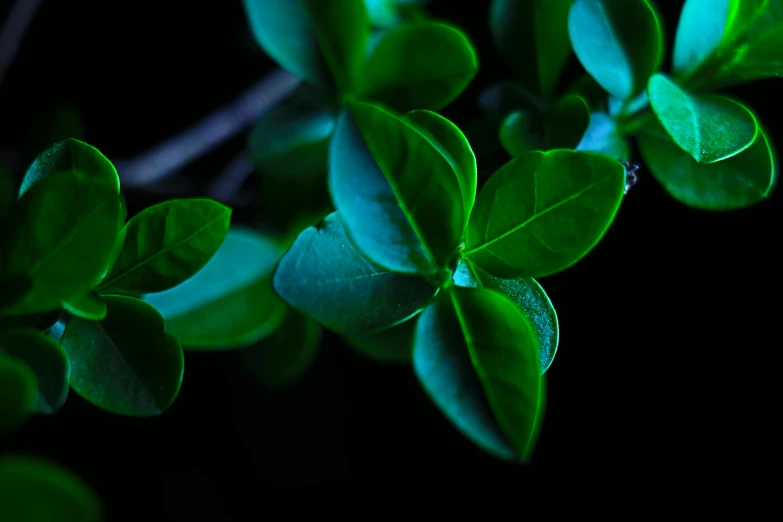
(665, 390)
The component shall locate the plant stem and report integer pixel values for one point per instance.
(14, 28)
(173, 154)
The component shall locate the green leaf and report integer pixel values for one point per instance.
(61, 237)
(586, 87)
(47, 359)
(521, 132)
(229, 303)
(320, 44)
(391, 346)
(325, 277)
(543, 211)
(602, 136)
(737, 182)
(565, 124)
(291, 140)
(125, 364)
(167, 244)
(706, 26)
(452, 144)
(619, 42)
(476, 355)
(71, 156)
(708, 128)
(619, 109)
(88, 306)
(35, 490)
(397, 194)
(422, 65)
(18, 394)
(390, 13)
(528, 295)
(285, 356)
(532, 36)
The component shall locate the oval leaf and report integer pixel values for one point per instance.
(422, 65)
(528, 295)
(476, 356)
(167, 244)
(71, 156)
(619, 42)
(542, 212)
(706, 26)
(522, 132)
(391, 346)
(737, 182)
(61, 237)
(453, 145)
(325, 277)
(47, 359)
(18, 393)
(125, 364)
(532, 35)
(32, 489)
(285, 356)
(318, 43)
(229, 303)
(709, 128)
(291, 140)
(397, 194)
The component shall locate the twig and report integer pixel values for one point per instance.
(231, 179)
(173, 154)
(13, 31)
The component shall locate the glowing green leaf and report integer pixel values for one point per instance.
(166, 244)
(476, 355)
(708, 128)
(543, 211)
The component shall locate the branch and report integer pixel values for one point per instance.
(13, 31)
(225, 123)
(231, 179)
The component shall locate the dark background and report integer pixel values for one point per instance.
(665, 390)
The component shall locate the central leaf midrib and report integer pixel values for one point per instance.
(104, 285)
(384, 170)
(535, 216)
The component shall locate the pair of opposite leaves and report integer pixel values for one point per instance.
(404, 187)
(67, 238)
